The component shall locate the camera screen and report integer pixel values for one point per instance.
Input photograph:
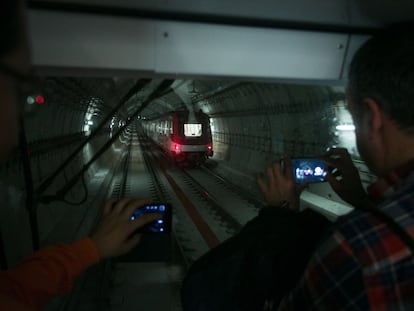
(162, 225)
(309, 170)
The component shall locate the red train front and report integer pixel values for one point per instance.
(184, 135)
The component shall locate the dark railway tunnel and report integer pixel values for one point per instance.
(253, 123)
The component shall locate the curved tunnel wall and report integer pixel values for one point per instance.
(254, 124)
(53, 131)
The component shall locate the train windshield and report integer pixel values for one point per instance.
(192, 130)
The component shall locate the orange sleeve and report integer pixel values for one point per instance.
(47, 273)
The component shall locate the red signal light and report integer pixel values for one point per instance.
(40, 100)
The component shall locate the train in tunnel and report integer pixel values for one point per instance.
(185, 136)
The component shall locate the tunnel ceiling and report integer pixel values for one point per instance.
(78, 93)
(184, 95)
(212, 96)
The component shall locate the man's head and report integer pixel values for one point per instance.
(14, 55)
(381, 95)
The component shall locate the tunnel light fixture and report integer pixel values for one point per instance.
(36, 99)
(40, 100)
(30, 100)
(90, 122)
(345, 127)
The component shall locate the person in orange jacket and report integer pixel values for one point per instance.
(50, 272)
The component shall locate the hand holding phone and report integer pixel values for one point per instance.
(113, 235)
(344, 178)
(156, 238)
(278, 185)
(161, 225)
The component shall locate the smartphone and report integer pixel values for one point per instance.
(161, 225)
(156, 242)
(309, 170)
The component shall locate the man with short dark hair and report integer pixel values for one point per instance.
(367, 263)
(50, 272)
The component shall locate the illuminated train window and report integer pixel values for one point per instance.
(192, 130)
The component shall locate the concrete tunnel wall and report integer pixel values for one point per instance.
(53, 131)
(255, 124)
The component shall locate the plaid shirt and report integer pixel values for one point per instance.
(364, 265)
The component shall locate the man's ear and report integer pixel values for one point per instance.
(374, 115)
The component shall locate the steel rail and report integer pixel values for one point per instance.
(160, 191)
(251, 198)
(212, 202)
(135, 89)
(161, 90)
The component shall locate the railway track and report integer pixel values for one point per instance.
(90, 292)
(141, 178)
(217, 208)
(161, 194)
(207, 210)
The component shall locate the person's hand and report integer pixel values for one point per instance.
(344, 177)
(112, 234)
(280, 187)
